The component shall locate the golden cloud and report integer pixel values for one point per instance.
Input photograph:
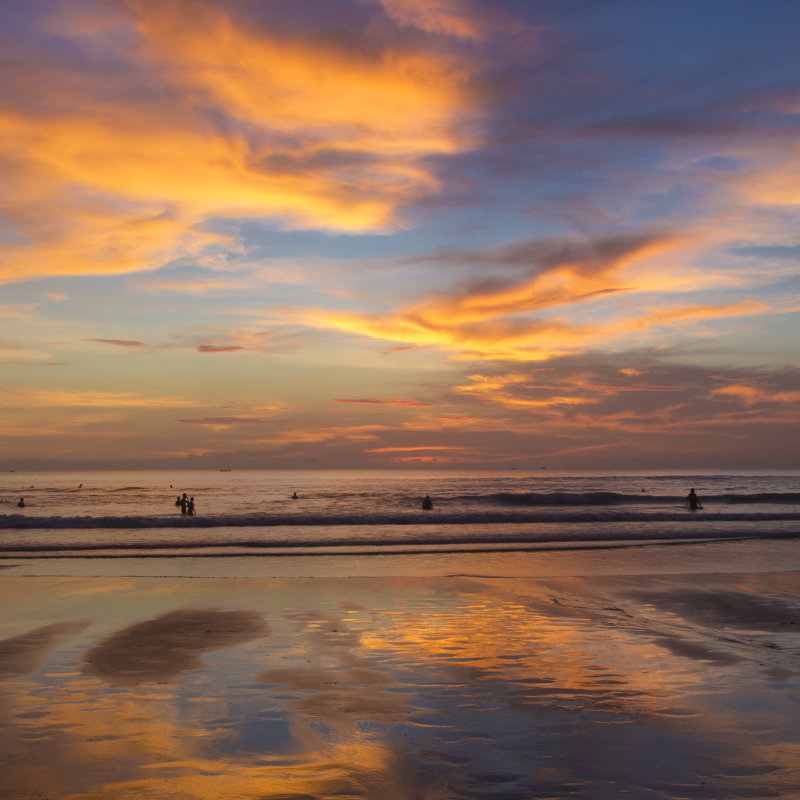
(681, 314)
(317, 135)
(398, 102)
(753, 395)
(515, 320)
(399, 402)
(602, 283)
(419, 449)
(31, 397)
(500, 390)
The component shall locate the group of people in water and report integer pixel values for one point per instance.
(185, 504)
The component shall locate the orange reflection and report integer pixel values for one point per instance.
(380, 688)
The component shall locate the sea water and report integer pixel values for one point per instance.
(378, 512)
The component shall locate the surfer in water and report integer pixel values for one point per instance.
(427, 503)
(694, 500)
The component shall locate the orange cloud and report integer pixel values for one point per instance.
(753, 395)
(395, 401)
(223, 423)
(499, 390)
(317, 135)
(691, 313)
(772, 178)
(219, 348)
(413, 449)
(30, 397)
(393, 102)
(513, 319)
(442, 459)
(526, 319)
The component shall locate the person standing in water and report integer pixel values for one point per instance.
(694, 501)
(21, 503)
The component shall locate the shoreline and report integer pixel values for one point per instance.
(640, 558)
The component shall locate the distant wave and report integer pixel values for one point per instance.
(614, 499)
(348, 545)
(21, 521)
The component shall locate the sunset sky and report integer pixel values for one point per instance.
(381, 233)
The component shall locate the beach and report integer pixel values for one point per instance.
(650, 672)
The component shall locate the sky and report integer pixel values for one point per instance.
(459, 234)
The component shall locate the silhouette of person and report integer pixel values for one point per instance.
(178, 501)
(190, 507)
(21, 503)
(184, 503)
(694, 502)
(294, 496)
(427, 503)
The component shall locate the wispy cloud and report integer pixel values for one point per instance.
(755, 395)
(56, 398)
(416, 449)
(392, 401)
(219, 348)
(528, 312)
(15, 312)
(118, 342)
(223, 423)
(448, 17)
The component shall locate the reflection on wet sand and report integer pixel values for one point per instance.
(28, 652)
(160, 649)
(410, 689)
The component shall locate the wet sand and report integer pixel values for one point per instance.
(651, 686)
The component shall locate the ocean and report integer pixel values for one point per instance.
(133, 513)
(533, 635)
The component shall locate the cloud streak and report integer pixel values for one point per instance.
(530, 315)
(118, 342)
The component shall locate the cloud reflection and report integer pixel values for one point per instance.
(163, 648)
